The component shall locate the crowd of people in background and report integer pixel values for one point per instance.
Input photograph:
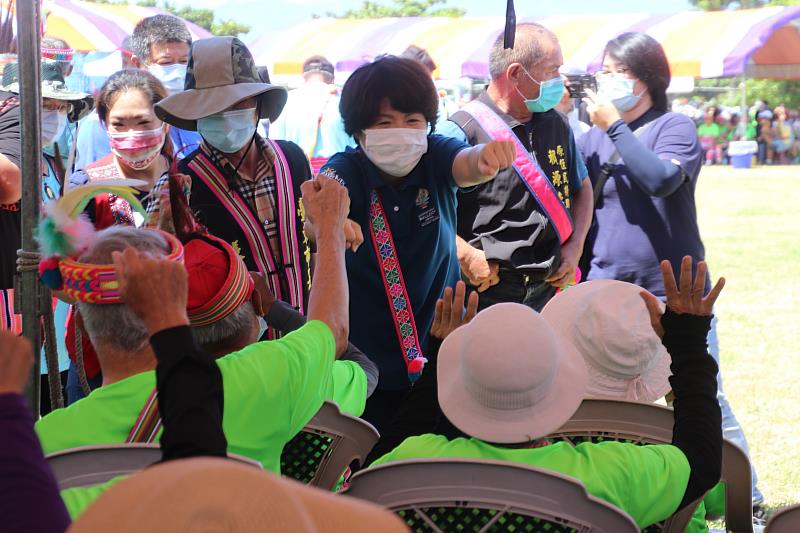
(775, 130)
(452, 274)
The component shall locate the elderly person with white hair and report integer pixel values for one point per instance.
(288, 378)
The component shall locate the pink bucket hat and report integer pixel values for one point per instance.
(608, 322)
(507, 378)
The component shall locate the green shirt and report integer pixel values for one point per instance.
(272, 389)
(709, 130)
(647, 482)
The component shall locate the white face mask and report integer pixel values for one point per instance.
(171, 76)
(395, 151)
(619, 91)
(53, 125)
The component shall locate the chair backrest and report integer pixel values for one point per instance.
(477, 496)
(640, 423)
(326, 446)
(92, 465)
(785, 521)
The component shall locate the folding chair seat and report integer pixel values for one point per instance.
(326, 446)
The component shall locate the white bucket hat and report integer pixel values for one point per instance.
(507, 378)
(221, 72)
(609, 324)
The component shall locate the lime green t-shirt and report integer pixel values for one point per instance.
(648, 482)
(709, 130)
(271, 390)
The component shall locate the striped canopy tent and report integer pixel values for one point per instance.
(761, 43)
(97, 27)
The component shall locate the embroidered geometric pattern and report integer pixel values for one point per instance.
(395, 287)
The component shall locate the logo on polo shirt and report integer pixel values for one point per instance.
(426, 212)
(330, 172)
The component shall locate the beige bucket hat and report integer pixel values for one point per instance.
(213, 494)
(608, 323)
(506, 377)
(221, 73)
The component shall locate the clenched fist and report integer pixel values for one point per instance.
(16, 360)
(495, 156)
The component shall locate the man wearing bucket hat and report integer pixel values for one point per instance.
(609, 324)
(245, 189)
(507, 380)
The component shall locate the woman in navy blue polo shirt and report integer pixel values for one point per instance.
(402, 181)
(644, 162)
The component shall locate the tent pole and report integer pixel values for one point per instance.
(29, 296)
(745, 117)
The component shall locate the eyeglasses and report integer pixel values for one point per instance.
(619, 72)
(56, 105)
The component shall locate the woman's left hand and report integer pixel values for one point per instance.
(601, 112)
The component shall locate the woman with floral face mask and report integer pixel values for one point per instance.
(402, 181)
(644, 162)
(140, 145)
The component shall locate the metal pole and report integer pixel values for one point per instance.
(745, 116)
(28, 29)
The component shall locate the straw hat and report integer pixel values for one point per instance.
(608, 322)
(221, 73)
(53, 86)
(213, 495)
(507, 378)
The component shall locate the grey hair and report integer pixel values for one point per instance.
(527, 51)
(116, 325)
(228, 329)
(158, 29)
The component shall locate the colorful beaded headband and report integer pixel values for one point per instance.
(65, 233)
(58, 54)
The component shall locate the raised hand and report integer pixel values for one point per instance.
(327, 204)
(15, 362)
(155, 289)
(687, 296)
(450, 312)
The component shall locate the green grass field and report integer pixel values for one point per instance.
(750, 223)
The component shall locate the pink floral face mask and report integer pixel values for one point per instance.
(137, 149)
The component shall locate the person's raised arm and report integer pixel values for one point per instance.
(327, 204)
(30, 499)
(10, 181)
(190, 390)
(481, 163)
(684, 328)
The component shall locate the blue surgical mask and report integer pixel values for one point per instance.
(618, 91)
(171, 76)
(550, 93)
(229, 131)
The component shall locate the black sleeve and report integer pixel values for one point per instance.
(698, 422)
(10, 131)
(190, 396)
(419, 412)
(656, 176)
(284, 318)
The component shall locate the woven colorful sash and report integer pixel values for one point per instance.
(202, 167)
(526, 168)
(148, 424)
(119, 209)
(395, 287)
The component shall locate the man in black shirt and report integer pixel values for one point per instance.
(514, 246)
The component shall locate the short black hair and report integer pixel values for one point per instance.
(404, 82)
(421, 55)
(158, 29)
(645, 58)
